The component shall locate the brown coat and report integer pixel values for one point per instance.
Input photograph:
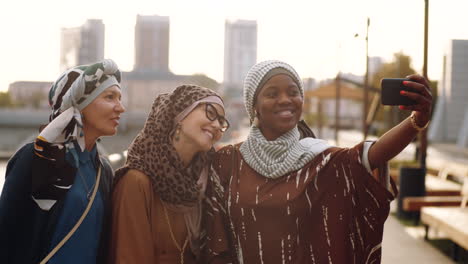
(330, 211)
(140, 232)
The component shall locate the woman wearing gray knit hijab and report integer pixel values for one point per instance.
(291, 198)
(55, 202)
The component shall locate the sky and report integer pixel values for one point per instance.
(315, 37)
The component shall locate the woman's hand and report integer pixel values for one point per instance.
(423, 97)
(397, 138)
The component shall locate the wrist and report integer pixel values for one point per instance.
(417, 122)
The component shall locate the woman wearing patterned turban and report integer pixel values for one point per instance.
(292, 198)
(55, 202)
(159, 204)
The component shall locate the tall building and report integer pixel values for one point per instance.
(152, 43)
(240, 50)
(450, 119)
(82, 45)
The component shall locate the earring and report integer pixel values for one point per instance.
(177, 132)
(255, 121)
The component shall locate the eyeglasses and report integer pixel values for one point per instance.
(213, 115)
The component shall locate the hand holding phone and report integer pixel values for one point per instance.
(390, 93)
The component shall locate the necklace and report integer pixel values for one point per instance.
(181, 249)
(85, 185)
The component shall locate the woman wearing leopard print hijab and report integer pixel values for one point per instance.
(159, 198)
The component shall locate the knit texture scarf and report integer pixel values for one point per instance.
(278, 157)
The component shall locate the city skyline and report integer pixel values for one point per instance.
(315, 37)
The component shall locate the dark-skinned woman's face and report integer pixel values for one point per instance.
(278, 106)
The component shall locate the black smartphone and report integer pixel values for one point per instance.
(390, 92)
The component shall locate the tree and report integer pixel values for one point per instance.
(205, 81)
(400, 67)
(5, 100)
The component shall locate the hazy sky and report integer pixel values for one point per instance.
(316, 37)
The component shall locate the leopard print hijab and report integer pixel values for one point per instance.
(153, 154)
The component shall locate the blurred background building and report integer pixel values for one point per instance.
(375, 63)
(151, 75)
(30, 94)
(240, 54)
(82, 45)
(450, 120)
(240, 50)
(152, 43)
(142, 87)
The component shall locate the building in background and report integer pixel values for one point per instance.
(140, 88)
(30, 94)
(309, 83)
(152, 43)
(321, 101)
(450, 119)
(82, 45)
(375, 64)
(240, 50)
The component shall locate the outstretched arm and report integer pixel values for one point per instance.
(397, 138)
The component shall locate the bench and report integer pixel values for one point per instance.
(439, 191)
(454, 170)
(439, 186)
(452, 221)
(414, 204)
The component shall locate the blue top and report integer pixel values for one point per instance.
(83, 245)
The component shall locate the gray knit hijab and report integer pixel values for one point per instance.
(287, 153)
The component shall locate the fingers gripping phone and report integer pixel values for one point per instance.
(390, 93)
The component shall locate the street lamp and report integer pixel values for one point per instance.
(366, 84)
(423, 135)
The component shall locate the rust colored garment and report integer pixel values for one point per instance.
(330, 211)
(140, 233)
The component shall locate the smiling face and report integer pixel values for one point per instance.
(101, 116)
(198, 131)
(278, 106)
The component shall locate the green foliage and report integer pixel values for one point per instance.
(312, 119)
(36, 99)
(5, 100)
(205, 81)
(397, 164)
(400, 67)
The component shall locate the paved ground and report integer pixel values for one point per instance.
(402, 248)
